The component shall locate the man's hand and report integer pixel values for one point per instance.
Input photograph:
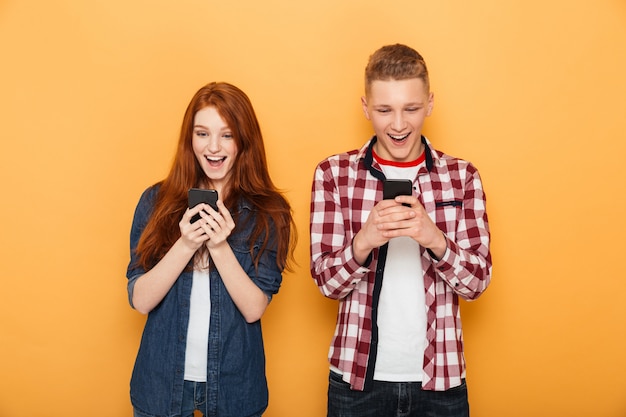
(413, 222)
(389, 219)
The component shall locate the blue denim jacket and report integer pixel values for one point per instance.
(236, 383)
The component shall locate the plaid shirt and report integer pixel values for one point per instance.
(345, 189)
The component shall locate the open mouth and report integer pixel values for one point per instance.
(214, 161)
(398, 138)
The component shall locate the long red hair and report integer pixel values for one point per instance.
(249, 180)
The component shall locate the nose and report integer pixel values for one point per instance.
(398, 123)
(214, 145)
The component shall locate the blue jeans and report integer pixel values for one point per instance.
(395, 399)
(194, 397)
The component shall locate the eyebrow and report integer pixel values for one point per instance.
(224, 129)
(415, 103)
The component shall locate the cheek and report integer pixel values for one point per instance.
(377, 123)
(196, 145)
(419, 120)
(197, 148)
(231, 149)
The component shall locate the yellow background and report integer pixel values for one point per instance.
(92, 94)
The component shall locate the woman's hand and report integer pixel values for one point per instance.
(193, 235)
(216, 225)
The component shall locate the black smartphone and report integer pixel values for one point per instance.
(197, 196)
(394, 188)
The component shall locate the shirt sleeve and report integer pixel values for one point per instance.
(333, 266)
(268, 276)
(140, 219)
(466, 266)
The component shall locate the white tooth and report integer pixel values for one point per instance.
(398, 137)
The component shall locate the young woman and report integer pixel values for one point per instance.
(206, 284)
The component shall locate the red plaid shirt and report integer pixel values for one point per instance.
(345, 189)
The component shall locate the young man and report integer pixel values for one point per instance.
(398, 267)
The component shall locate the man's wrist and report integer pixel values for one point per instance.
(360, 252)
(438, 251)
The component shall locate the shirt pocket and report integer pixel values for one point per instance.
(245, 253)
(447, 214)
(241, 248)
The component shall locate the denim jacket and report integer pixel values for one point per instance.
(236, 383)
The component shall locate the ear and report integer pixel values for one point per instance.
(364, 105)
(431, 103)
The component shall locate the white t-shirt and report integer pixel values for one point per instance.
(198, 330)
(402, 305)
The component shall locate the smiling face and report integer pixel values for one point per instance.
(397, 109)
(214, 146)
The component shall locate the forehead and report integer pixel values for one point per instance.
(208, 116)
(397, 91)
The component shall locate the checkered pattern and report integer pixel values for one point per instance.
(344, 192)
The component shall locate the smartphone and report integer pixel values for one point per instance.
(394, 188)
(197, 196)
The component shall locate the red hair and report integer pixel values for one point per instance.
(249, 180)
